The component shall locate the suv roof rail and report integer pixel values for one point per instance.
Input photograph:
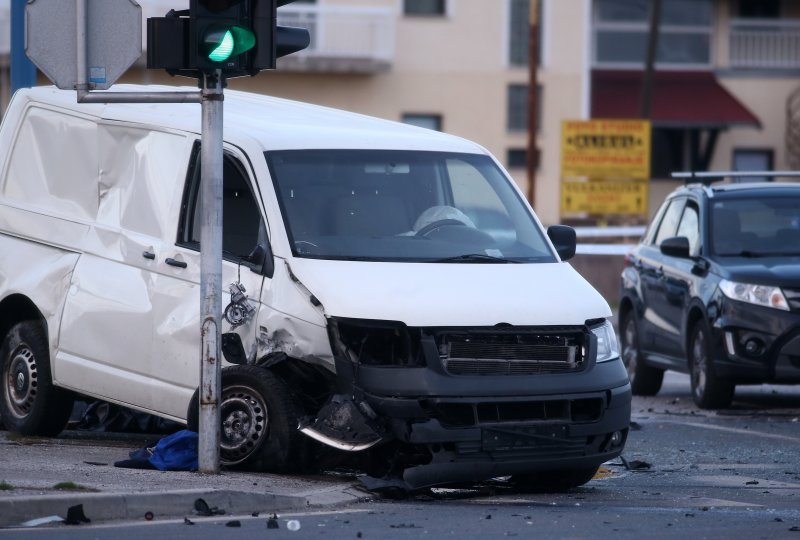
(709, 177)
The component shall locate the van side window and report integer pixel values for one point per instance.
(242, 226)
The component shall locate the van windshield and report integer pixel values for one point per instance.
(408, 206)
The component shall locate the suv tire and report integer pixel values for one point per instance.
(645, 380)
(708, 389)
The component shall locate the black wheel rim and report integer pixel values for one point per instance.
(699, 364)
(243, 412)
(630, 351)
(21, 382)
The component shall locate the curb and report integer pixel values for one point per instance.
(101, 507)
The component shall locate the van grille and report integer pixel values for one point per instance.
(511, 353)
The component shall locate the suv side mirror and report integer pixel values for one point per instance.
(261, 260)
(677, 246)
(563, 238)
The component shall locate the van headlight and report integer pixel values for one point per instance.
(760, 295)
(607, 344)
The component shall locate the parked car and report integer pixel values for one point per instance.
(713, 290)
(391, 295)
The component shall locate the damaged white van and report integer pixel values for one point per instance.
(392, 297)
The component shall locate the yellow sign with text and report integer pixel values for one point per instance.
(617, 149)
(603, 197)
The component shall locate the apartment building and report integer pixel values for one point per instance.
(726, 91)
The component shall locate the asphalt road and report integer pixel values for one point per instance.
(701, 474)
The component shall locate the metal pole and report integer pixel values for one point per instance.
(23, 72)
(81, 46)
(210, 272)
(533, 100)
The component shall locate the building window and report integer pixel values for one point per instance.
(621, 28)
(517, 107)
(424, 7)
(519, 32)
(429, 121)
(760, 9)
(517, 158)
(752, 160)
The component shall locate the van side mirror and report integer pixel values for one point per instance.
(677, 246)
(261, 260)
(563, 238)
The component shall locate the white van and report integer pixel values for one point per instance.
(393, 296)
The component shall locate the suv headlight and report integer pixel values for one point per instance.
(760, 295)
(607, 345)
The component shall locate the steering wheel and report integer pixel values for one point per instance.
(438, 224)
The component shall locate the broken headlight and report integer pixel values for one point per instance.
(379, 343)
(607, 345)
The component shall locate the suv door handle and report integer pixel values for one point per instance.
(173, 262)
(149, 255)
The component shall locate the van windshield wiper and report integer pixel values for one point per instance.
(475, 257)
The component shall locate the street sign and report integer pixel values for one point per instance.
(610, 149)
(113, 40)
(604, 197)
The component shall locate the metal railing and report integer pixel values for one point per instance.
(765, 43)
(346, 33)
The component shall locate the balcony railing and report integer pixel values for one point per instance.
(765, 44)
(343, 38)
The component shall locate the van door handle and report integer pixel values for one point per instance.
(149, 255)
(173, 262)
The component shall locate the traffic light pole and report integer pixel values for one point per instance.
(210, 271)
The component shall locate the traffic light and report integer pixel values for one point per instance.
(220, 32)
(239, 37)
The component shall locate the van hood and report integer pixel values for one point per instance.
(431, 294)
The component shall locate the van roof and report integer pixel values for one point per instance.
(276, 124)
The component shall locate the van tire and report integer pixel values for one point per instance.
(30, 404)
(553, 481)
(645, 380)
(259, 417)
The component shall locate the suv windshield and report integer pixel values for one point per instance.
(407, 206)
(756, 227)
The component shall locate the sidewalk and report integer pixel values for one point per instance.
(30, 468)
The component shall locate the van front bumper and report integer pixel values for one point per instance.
(479, 436)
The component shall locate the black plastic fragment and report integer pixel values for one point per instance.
(187, 521)
(201, 508)
(234, 523)
(272, 523)
(75, 515)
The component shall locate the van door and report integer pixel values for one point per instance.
(105, 346)
(176, 290)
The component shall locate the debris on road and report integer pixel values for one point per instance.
(75, 515)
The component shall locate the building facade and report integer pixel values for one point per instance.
(725, 92)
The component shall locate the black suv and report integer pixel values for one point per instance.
(713, 290)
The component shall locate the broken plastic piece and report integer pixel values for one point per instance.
(187, 521)
(234, 523)
(342, 424)
(272, 523)
(75, 515)
(41, 521)
(201, 508)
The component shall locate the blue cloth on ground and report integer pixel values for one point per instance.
(176, 452)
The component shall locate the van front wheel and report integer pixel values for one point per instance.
(30, 404)
(259, 418)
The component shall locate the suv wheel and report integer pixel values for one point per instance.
(708, 390)
(645, 380)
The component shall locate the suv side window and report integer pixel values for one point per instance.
(690, 227)
(242, 226)
(669, 224)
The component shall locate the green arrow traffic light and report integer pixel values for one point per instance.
(220, 43)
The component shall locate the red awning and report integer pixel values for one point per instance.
(688, 99)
